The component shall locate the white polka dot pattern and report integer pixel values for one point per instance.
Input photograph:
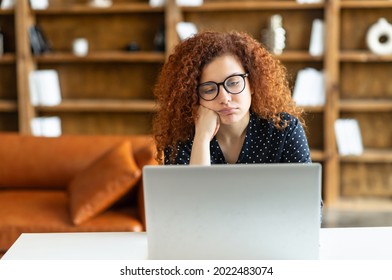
(264, 143)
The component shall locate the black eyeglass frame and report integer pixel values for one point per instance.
(243, 76)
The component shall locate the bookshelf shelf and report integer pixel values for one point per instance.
(365, 4)
(79, 9)
(317, 155)
(370, 105)
(251, 5)
(102, 56)
(6, 12)
(8, 106)
(313, 109)
(7, 58)
(101, 106)
(363, 56)
(298, 56)
(370, 156)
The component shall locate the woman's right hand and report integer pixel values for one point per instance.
(207, 123)
(206, 126)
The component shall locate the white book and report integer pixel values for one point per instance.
(44, 87)
(309, 1)
(309, 88)
(7, 4)
(46, 126)
(159, 3)
(348, 137)
(186, 30)
(316, 46)
(36, 129)
(34, 98)
(39, 4)
(189, 2)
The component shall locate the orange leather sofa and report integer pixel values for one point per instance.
(72, 183)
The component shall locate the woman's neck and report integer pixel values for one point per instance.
(231, 139)
(233, 131)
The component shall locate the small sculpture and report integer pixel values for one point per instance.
(274, 37)
(379, 37)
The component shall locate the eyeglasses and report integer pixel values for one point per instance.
(234, 84)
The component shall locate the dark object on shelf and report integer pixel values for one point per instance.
(133, 47)
(159, 39)
(38, 41)
(1, 42)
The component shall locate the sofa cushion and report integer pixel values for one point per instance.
(36, 211)
(101, 184)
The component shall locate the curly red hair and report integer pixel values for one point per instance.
(177, 83)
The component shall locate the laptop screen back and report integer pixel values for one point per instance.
(258, 211)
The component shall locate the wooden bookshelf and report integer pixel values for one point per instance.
(365, 94)
(8, 81)
(109, 91)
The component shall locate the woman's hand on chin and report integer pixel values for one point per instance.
(207, 123)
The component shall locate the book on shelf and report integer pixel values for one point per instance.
(44, 88)
(348, 137)
(46, 126)
(7, 4)
(39, 4)
(38, 42)
(1, 43)
(186, 30)
(101, 3)
(309, 1)
(309, 88)
(316, 45)
(160, 3)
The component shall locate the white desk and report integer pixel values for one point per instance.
(335, 243)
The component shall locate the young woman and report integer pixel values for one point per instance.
(224, 99)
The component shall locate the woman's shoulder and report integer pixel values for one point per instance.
(289, 119)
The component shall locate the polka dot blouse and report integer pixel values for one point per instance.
(264, 143)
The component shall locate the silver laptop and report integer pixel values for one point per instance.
(256, 211)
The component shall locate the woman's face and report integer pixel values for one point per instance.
(231, 108)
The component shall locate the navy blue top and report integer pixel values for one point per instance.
(264, 143)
